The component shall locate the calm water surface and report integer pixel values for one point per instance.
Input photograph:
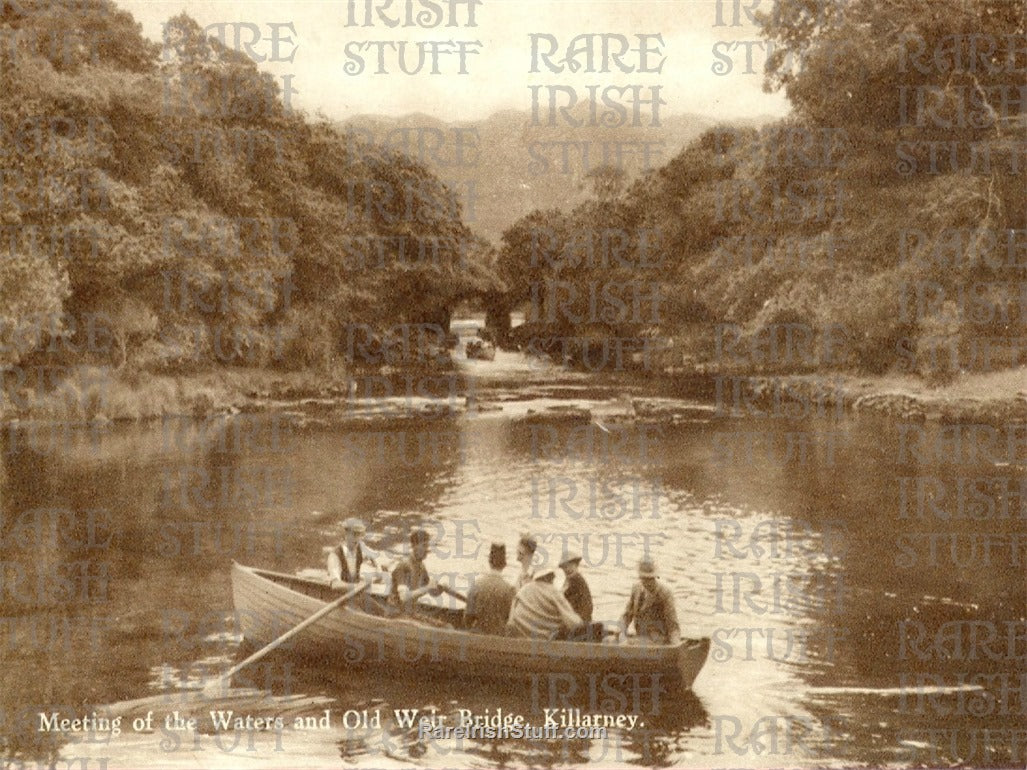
(783, 540)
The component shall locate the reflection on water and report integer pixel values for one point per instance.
(782, 541)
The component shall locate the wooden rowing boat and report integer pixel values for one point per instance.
(269, 603)
(481, 350)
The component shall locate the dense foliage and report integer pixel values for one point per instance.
(164, 207)
(882, 224)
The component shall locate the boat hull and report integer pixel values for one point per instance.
(480, 350)
(267, 604)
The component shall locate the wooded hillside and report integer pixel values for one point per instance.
(883, 225)
(165, 208)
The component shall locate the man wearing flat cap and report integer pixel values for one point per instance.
(346, 559)
(651, 607)
(488, 601)
(575, 587)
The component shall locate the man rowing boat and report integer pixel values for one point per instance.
(410, 578)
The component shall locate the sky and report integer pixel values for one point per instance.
(498, 64)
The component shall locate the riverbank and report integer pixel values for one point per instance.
(991, 397)
(94, 394)
(88, 394)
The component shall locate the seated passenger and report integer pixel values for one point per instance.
(651, 607)
(489, 600)
(526, 556)
(575, 587)
(539, 610)
(346, 560)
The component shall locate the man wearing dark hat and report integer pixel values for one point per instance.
(488, 601)
(346, 559)
(575, 587)
(410, 578)
(526, 556)
(651, 607)
(540, 611)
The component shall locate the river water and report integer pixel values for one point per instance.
(823, 554)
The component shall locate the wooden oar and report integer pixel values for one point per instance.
(453, 592)
(445, 589)
(217, 683)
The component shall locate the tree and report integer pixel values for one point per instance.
(607, 182)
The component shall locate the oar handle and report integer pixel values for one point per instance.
(445, 589)
(363, 586)
(454, 593)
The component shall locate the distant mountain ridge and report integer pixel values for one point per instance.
(504, 166)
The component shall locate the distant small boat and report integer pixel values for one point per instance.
(555, 414)
(482, 350)
(269, 603)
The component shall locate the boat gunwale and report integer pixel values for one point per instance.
(651, 652)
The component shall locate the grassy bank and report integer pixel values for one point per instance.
(92, 393)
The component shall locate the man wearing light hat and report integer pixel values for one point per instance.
(575, 587)
(347, 558)
(540, 611)
(651, 607)
(488, 601)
